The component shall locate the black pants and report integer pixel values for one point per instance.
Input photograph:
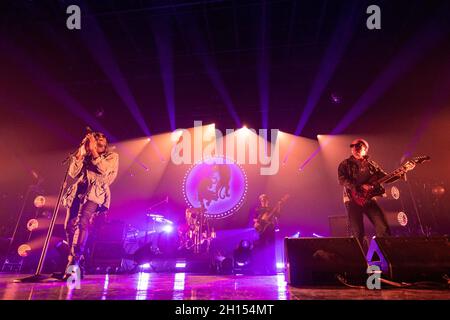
(76, 225)
(264, 252)
(376, 216)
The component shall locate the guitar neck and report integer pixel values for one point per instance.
(403, 168)
(388, 177)
(391, 175)
(274, 210)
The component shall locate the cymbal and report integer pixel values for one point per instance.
(152, 215)
(163, 220)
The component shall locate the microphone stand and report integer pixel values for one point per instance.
(37, 276)
(416, 209)
(16, 228)
(157, 204)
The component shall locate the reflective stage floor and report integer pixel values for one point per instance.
(178, 286)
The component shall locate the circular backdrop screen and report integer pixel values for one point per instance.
(217, 184)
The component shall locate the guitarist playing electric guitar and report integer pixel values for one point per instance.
(264, 223)
(362, 180)
(267, 216)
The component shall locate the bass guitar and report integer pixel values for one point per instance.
(263, 221)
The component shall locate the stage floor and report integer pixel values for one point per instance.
(183, 286)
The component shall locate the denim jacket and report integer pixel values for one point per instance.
(98, 174)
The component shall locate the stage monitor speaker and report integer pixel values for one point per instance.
(411, 259)
(318, 261)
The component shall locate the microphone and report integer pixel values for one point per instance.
(88, 131)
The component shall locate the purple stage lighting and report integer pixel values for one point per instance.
(145, 266)
(167, 228)
(333, 55)
(161, 32)
(50, 85)
(335, 98)
(263, 79)
(210, 66)
(409, 55)
(97, 44)
(317, 235)
(296, 235)
(280, 265)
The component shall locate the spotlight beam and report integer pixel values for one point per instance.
(424, 40)
(440, 94)
(330, 61)
(98, 46)
(47, 83)
(161, 32)
(333, 55)
(263, 79)
(408, 56)
(198, 42)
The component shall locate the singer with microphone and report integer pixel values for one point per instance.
(94, 169)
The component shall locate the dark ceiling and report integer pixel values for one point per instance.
(55, 81)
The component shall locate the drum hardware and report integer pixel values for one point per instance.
(197, 234)
(154, 217)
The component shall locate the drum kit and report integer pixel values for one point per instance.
(197, 233)
(162, 240)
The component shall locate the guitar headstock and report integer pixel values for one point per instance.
(421, 159)
(410, 164)
(284, 198)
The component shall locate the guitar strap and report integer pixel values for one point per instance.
(376, 166)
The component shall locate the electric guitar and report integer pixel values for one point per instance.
(263, 221)
(362, 196)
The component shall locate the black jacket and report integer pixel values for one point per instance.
(351, 176)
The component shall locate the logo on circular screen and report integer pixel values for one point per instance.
(217, 184)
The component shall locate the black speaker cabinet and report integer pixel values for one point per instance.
(318, 261)
(411, 259)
